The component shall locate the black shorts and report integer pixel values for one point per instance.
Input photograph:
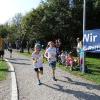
(10, 50)
(1, 52)
(38, 69)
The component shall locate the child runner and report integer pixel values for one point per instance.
(38, 61)
(50, 54)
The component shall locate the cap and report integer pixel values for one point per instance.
(37, 45)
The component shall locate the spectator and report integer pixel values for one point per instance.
(10, 49)
(79, 45)
(62, 56)
(70, 61)
(58, 48)
(2, 46)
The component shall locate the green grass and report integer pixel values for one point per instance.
(93, 65)
(3, 70)
(93, 75)
(29, 54)
(26, 54)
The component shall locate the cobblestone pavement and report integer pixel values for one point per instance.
(5, 89)
(68, 87)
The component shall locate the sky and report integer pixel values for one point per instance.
(8, 8)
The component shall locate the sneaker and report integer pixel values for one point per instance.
(39, 83)
(54, 79)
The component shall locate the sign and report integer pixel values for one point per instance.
(91, 40)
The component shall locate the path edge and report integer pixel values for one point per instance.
(14, 89)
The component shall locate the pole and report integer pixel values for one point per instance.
(84, 20)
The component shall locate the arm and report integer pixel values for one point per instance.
(34, 59)
(46, 54)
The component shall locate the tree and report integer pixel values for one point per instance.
(15, 25)
(3, 31)
(54, 19)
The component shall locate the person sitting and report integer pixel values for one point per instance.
(70, 61)
(62, 57)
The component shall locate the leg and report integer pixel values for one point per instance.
(37, 74)
(41, 70)
(39, 82)
(2, 55)
(81, 62)
(53, 72)
(10, 55)
(10, 51)
(71, 65)
(53, 66)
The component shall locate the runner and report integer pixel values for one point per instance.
(38, 61)
(10, 49)
(50, 54)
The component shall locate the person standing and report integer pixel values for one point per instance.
(10, 49)
(50, 54)
(38, 62)
(28, 46)
(58, 48)
(17, 44)
(79, 45)
(2, 46)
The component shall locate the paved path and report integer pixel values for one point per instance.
(68, 87)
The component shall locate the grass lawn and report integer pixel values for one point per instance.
(3, 70)
(93, 65)
(25, 54)
(29, 54)
(93, 75)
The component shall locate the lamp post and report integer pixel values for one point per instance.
(84, 21)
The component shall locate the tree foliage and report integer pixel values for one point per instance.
(54, 19)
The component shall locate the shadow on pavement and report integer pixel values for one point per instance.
(78, 94)
(17, 59)
(19, 63)
(87, 85)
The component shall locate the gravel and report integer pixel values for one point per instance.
(68, 87)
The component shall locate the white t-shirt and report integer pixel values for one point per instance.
(51, 54)
(62, 57)
(39, 59)
(79, 45)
